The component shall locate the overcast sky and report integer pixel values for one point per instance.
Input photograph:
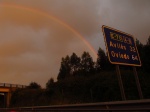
(36, 34)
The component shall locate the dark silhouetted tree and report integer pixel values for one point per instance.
(75, 64)
(146, 55)
(64, 68)
(34, 85)
(140, 48)
(148, 41)
(50, 83)
(50, 87)
(87, 64)
(103, 62)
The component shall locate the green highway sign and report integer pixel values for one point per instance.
(121, 47)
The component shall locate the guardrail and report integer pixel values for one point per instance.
(132, 105)
(12, 85)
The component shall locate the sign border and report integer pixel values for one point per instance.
(104, 26)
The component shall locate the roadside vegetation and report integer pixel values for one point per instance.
(81, 80)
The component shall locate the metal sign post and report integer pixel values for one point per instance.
(137, 83)
(120, 83)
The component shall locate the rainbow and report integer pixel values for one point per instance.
(45, 14)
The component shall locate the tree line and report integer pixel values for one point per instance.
(81, 80)
(78, 66)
